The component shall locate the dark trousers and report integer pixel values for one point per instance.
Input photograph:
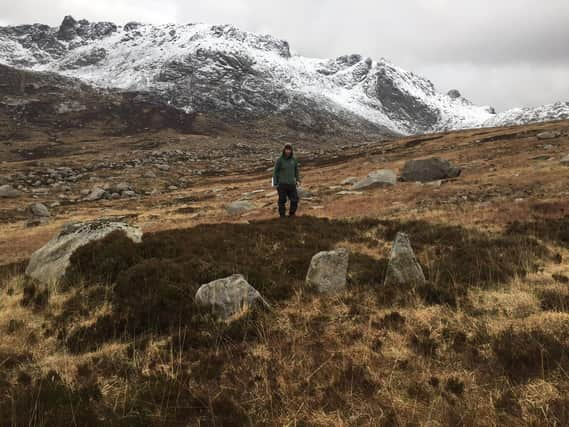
(287, 191)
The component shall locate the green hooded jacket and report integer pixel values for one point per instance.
(286, 171)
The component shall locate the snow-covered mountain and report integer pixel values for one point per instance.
(241, 75)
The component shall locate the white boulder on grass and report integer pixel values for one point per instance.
(49, 263)
(229, 297)
(380, 178)
(548, 135)
(328, 271)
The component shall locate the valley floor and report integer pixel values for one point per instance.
(485, 343)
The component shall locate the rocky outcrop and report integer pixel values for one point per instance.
(380, 178)
(328, 271)
(49, 264)
(67, 29)
(229, 297)
(454, 94)
(403, 271)
(426, 170)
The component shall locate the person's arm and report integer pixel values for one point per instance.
(276, 172)
(297, 172)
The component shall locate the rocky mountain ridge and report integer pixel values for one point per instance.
(241, 76)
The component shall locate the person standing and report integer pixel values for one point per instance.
(286, 177)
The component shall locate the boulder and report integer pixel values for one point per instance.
(120, 187)
(239, 207)
(380, 178)
(328, 271)
(39, 210)
(565, 161)
(229, 297)
(9, 192)
(95, 194)
(49, 263)
(425, 170)
(403, 271)
(548, 135)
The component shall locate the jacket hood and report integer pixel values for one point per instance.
(291, 150)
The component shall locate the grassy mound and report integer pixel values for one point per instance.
(152, 284)
(530, 349)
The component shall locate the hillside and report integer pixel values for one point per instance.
(484, 342)
(245, 77)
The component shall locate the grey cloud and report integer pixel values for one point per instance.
(504, 53)
(52, 12)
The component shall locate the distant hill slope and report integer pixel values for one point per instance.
(244, 76)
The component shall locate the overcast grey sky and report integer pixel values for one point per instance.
(504, 53)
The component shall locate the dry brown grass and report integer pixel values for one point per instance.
(485, 344)
(352, 359)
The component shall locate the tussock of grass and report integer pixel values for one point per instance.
(48, 401)
(35, 295)
(554, 298)
(534, 347)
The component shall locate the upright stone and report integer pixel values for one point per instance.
(229, 297)
(328, 271)
(403, 271)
